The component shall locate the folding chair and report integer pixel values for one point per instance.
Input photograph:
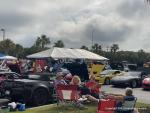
(106, 106)
(128, 105)
(67, 95)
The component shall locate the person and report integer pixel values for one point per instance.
(122, 98)
(59, 79)
(77, 81)
(85, 92)
(94, 87)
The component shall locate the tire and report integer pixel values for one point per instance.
(134, 84)
(40, 97)
(107, 81)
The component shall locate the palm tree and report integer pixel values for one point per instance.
(38, 42)
(114, 48)
(97, 48)
(59, 43)
(41, 42)
(84, 47)
(44, 41)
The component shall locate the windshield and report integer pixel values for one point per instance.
(106, 72)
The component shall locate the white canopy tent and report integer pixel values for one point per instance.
(64, 53)
(8, 57)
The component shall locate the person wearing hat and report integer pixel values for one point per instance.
(59, 79)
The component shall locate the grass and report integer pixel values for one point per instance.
(91, 109)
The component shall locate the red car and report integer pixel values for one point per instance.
(146, 83)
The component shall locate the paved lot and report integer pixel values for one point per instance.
(142, 95)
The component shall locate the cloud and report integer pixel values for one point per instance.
(73, 21)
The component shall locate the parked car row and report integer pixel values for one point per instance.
(132, 79)
(38, 89)
(120, 78)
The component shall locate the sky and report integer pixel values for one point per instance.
(123, 22)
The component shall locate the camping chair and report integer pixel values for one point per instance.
(106, 106)
(67, 95)
(127, 106)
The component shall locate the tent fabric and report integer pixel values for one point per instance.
(8, 57)
(67, 53)
(1, 55)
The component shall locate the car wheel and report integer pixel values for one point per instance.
(134, 84)
(40, 97)
(107, 81)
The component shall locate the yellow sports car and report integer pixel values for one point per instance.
(105, 76)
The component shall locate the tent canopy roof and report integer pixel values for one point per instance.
(1, 54)
(8, 57)
(67, 53)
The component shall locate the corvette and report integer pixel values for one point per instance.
(105, 76)
(131, 79)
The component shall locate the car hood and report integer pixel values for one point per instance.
(123, 78)
(146, 80)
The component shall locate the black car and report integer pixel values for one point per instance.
(34, 89)
(4, 75)
(132, 79)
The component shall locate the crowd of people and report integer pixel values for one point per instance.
(91, 90)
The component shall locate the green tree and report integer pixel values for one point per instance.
(19, 50)
(59, 43)
(141, 56)
(42, 41)
(114, 48)
(38, 42)
(84, 47)
(7, 46)
(96, 48)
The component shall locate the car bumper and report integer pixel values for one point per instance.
(18, 94)
(146, 86)
(100, 80)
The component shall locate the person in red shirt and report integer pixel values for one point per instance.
(94, 87)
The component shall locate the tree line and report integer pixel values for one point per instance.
(43, 42)
(114, 55)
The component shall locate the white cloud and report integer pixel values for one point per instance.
(120, 21)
